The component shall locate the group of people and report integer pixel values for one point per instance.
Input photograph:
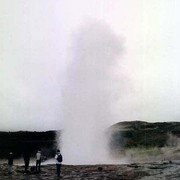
(26, 155)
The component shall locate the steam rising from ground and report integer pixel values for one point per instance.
(88, 93)
(168, 152)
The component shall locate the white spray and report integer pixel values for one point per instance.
(87, 94)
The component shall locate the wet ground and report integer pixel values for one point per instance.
(164, 170)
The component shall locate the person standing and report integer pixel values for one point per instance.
(26, 159)
(10, 162)
(38, 161)
(59, 160)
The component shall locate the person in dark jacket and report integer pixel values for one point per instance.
(26, 156)
(59, 160)
(10, 162)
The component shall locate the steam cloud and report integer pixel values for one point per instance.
(87, 94)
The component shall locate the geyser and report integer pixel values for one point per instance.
(87, 95)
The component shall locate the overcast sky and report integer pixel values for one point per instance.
(35, 51)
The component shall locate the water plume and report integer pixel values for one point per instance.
(88, 92)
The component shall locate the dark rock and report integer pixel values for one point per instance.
(33, 169)
(100, 168)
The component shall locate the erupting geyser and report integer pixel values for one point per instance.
(87, 94)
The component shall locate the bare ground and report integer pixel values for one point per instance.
(166, 170)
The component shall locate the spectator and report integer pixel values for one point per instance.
(10, 162)
(59, 160)
(38, 161)
(26, 159)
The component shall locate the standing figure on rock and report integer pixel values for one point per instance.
(38, 161)
(10, 162)
(59, 160)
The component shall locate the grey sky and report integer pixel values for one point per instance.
(36, 48)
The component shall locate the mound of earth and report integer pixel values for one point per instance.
(131, 134)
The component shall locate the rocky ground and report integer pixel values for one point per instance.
(166, 170)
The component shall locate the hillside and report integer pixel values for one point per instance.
(143, 134)
(17, 142)
(123, 135)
